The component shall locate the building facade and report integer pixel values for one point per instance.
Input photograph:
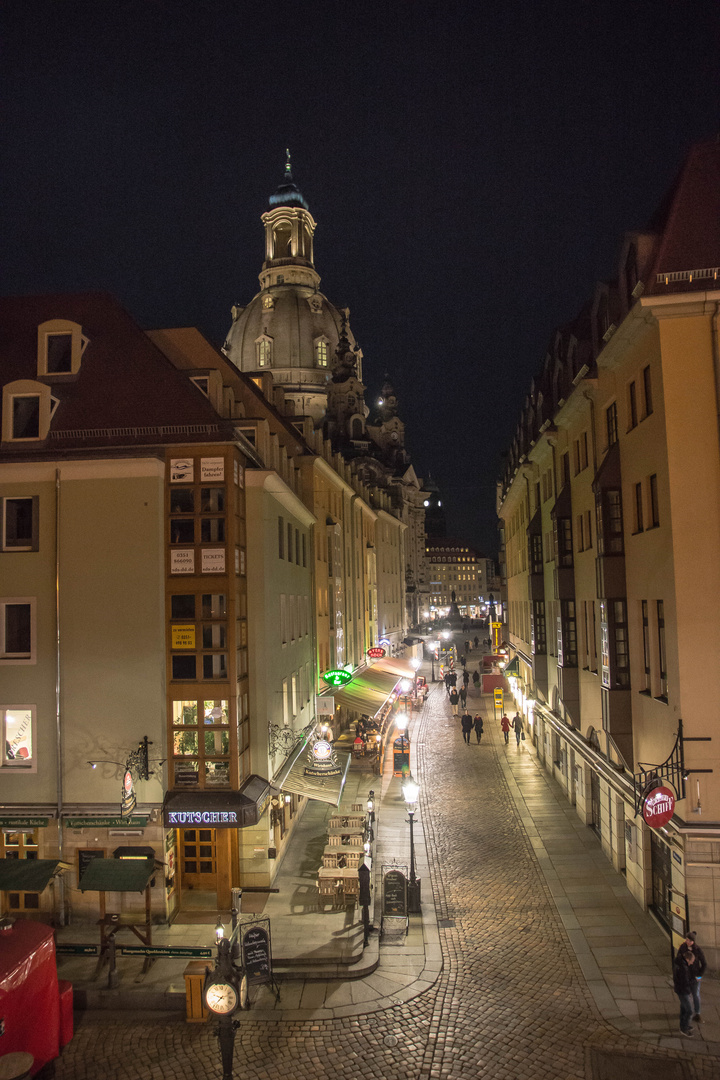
(610, 577)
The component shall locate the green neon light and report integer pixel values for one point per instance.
(337, 677)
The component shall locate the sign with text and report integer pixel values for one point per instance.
(183, 637)
(212, 468)
(213, 560)
(325, 706)
(104, 822)
(376, 652)
(257, 954)
(182, 561)
(23, 822)
(658, 807)
(181, 470)
(394, 894)
(337, 677)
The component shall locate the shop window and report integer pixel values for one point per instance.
(20, 523)
(17, 630)
(18, 737)
(182, 606)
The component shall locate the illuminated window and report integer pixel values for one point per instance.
(18, 737)
(322, 352)
(263, 351)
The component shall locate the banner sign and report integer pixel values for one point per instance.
(24, 822)
(164, 950)
(104, 822)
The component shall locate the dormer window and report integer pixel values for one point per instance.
(263, 351)
(322, 352)
(61, 344)
(202, 382)
(27, 409)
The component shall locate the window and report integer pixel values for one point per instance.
(304, 550)
(580, 531)
(263, 351)
(17, 630)
(611, 423)
(662, 653)
(281, 538)
(588, 529)
(184, 667)
(567, 638)
(563, 542)
(609, 522)
(646, 648)
(638, 508)
(283, 619)
(632, 406)
(201, 743)
(536, 554)
(621, 658)
(182, 607)
(297, 547)
(18, 736)
(202, 382)
(647, 391)
(321, 352)
(60, 346)
(538, 627)
(654, 511)
(19, 524)
(289, 541)
(26, 416)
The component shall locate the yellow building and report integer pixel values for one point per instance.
(610, 511)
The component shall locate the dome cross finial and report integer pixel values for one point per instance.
(288, 166)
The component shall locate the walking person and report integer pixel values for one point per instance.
(467, 726)
(505, 725)
(466, 677)
(463, 695)
(454, 698)
(517, 726)
(684, 980)
(478, 725)
(476, 678)
(447, 682)
(690, 945)
(477, 641)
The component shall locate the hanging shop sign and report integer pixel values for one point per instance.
(658, 807)
(337, 677)
(129, 802)
(376, 652)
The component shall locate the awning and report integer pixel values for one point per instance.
(403, 669)
(326, 789)
(117, 875)
(513, 667)
(217, 809)
(27, 875)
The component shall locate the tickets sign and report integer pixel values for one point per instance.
(658, 807)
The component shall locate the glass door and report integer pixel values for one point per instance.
(20, 845)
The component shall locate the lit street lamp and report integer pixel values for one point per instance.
(411, 790)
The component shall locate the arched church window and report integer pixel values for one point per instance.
(321, 352)
(263, 352)
(357, 429)
(282, 238)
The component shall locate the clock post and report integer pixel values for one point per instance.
(225, 988)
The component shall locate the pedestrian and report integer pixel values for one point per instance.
(454, 698)
(684, 980)
(453, 678)
(467, 726)
(690, 945)
(517, 725)
(478, 725)
(466, 677)
(467, 646)
(463, 695)
(447, 682)
(476, 678)
(505, 725)
(463, 661)
(477, 641)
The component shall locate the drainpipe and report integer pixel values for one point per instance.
(589, 398)
(58, 726)
(716, 359)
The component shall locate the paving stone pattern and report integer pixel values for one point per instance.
(511, 1001)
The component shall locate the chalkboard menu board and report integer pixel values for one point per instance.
(85, 857)
(257, 957)
(395, 893)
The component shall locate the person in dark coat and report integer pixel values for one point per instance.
(517, 726)
(467, 726)
(463, 695)
(690, 945)
(684, 980)
(466, 677)
(453, 678)
(478, 725)
(454, 699)
(447, 681)
(477, 641)
(476, 678)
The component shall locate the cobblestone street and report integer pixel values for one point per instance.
(511, 1001)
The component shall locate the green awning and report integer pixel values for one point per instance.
(513, 668)
(367, 691)
(26, 875)
(117, 875)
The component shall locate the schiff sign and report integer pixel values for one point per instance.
(658, 807)
(201, 817)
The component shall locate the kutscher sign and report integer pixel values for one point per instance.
(658, 807)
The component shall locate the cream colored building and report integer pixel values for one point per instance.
(610, 509)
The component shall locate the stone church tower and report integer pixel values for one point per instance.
(290, 328)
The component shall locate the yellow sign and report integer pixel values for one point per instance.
(498, 694)
(677, 910)
(183, 637)
(496, 625)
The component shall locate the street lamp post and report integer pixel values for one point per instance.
(411, 790)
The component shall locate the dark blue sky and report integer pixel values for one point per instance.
(471, 167)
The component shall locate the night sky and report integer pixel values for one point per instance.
(471, 167)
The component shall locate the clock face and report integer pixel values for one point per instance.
(221, 998)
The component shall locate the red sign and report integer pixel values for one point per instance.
(658, 807)
(376, 652)
(127, 781)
